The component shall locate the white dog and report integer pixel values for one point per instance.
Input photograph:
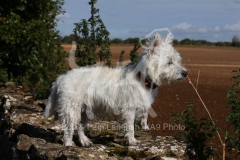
(125, 92)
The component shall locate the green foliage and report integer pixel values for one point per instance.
(235, 41)
(186, 42)
(194, 42)
(130, 41)
(134, 52)
(93, 43)
(175, 42)
(116, 41)
(121, 56)
(204, 42)
(197, 132)
(200, 42)
(3, 73)
(225, 44)
(221, 44)
(233, 136)
(31, 49)
(228, 44)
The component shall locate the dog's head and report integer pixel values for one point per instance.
(162, 62)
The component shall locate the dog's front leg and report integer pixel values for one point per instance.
(144, 124)
(129, 128)
(68, 133)
(82, 137)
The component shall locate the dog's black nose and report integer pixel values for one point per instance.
(184, 73)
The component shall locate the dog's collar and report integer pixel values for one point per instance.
(148, 83)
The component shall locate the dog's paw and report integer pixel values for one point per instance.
(134, 142)
(86, 143)
(68, 143)
(146, 128)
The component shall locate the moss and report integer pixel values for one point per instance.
(42, 122)
(137, 154)
(120, 152)
(117, 152)
(108, 132)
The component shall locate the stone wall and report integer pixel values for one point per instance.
(25, 134)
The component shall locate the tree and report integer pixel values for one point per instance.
(221, 44)
(228, 44)
(235, 41)
(134, 52)
(186, 42)
(175, 42)
(116, 41)
(130, 40)
(92, 38)
(68, 39)
(31, 49)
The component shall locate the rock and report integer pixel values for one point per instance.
(12, 99)
(28, 98)
(127, 158)
(27, 135)
(36, 148)
(41, 103)
(11, 84)
(7, 104)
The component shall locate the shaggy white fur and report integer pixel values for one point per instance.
(126, 93)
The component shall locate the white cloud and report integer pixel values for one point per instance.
(216, 29)
(182, 26)
(233, 27)
(63, 16)
(186, 27)
(202, 30)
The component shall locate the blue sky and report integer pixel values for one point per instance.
(212, 20)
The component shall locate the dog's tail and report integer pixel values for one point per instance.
(51, 102)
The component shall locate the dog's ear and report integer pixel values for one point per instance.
(169, 38)
(157, 40)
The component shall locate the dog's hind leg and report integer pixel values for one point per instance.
(70, 115)
(68, 133)
(84, 140)
(129, 118)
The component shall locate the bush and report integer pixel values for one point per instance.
(134, 52)
(197, 132)
(233, 136)
(31, 49)
(92, 38)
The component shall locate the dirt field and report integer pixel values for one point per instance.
(214, 65)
